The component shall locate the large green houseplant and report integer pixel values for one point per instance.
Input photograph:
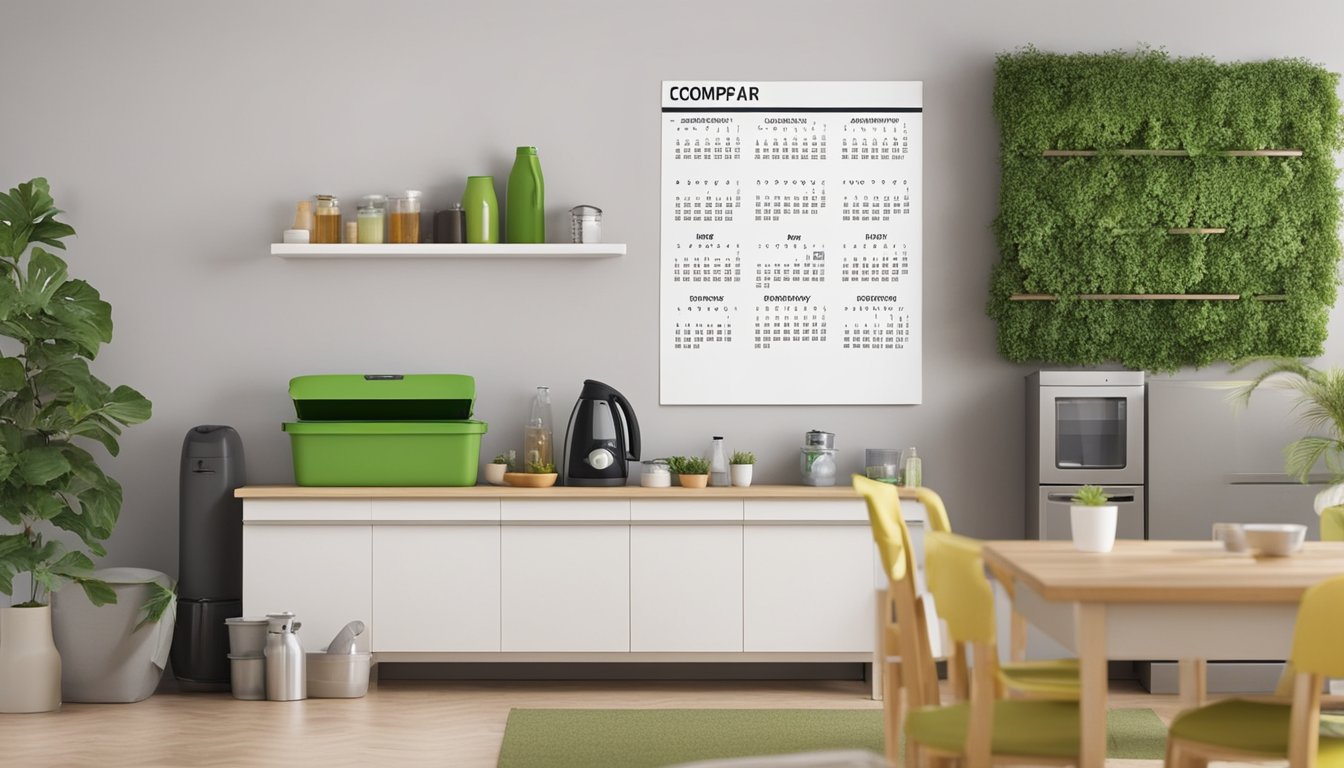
(49, 399)
(1320, 410)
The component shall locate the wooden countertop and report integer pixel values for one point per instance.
(799, 492)
(1163, 571)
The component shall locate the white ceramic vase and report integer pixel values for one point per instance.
(30, 667)
(741, 474)
(494, 473)
(1093, 527)
(1332, 496)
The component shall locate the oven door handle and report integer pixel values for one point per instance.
(1068, 497)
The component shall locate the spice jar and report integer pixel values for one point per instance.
(372, 218)
(585, 224)
(404, 218)
(327, 220)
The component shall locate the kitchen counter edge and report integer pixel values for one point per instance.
(557, 492)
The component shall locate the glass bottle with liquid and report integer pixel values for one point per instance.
(537, 433)
(718, 463)
(913, 475)
(327, 220)
(371, 218)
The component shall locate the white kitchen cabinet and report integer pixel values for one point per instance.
(311, 557)
(565, 576)
(436, 575)
(686, 576)
(808, 577)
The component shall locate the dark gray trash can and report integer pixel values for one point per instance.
(210, 553)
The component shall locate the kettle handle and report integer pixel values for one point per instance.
(631, 424)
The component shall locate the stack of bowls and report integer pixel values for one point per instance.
(247, 657)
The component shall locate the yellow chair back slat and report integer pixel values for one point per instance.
(933, 508)
(1318, 636)
(955, 572)
(884, 515)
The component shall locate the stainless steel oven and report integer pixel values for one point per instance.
(1085, 427)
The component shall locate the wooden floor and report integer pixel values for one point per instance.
(400, 723)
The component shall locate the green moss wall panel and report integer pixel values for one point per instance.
(1099, 225)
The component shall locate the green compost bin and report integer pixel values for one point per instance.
(384, 430)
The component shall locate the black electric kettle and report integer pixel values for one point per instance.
(595, 439)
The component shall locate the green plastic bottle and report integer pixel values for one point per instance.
(525, 215)
(482, 210)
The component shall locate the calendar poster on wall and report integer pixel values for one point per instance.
(791, 250)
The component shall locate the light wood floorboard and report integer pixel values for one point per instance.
(400, 723)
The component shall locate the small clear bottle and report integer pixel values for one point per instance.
(537, 450)
(718, 463)
(327, 220)
(913, 476)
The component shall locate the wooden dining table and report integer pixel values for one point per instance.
(1145, 600)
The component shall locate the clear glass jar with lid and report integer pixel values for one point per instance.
(404, 218)
(371, 218)
(327, 220)
(657, 474)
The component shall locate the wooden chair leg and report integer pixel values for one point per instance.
(893, 712)
(1017, 637)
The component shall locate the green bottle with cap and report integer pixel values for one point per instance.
(525, 214)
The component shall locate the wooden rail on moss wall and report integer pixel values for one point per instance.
(1151, 297)
(1170, 152)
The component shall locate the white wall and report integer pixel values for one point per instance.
(178, 135)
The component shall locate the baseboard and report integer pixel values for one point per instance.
(1223, 677)
(618, 671)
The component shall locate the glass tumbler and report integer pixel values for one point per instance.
(585, 224)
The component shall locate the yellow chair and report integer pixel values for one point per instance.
(1048, 679)
(906, 657)
(1252, 731)
(984, 728)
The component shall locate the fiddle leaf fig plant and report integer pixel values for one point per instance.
(51, 326)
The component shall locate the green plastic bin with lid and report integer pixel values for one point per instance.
(384, 430)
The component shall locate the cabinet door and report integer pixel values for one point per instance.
(808, 588)
(686, 579)
(566, 587)
(436, 575)
(321, 572)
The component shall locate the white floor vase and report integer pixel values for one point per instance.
(30, 667)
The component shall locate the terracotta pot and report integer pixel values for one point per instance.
(30, 667)
(693, 481)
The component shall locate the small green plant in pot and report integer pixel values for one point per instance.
(1093, 518)
(50, 402)
(1320, 410)
(494, 471)
(691, 471)
(739, 467)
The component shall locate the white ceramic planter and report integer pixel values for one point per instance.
(741, 474)
(1332, 496)
(30, 667)
(494, 473)
(1093, 527)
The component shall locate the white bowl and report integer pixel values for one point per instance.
(1274, 539)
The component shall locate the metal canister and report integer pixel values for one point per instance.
(818, 439)
(286, 665)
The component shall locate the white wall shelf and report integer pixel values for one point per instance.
(449, 251)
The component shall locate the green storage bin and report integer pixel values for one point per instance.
(385, 452)
(385, 430)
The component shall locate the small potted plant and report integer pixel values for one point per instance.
(1092, 519)
(538, 475)
(494, 471)
(740, 468)
(691, 471)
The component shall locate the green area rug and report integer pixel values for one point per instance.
(636, 738)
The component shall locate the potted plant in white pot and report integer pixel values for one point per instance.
(740, 468)
(1093, 520)
(48, 483)
(494, 471)
(1320, 409)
